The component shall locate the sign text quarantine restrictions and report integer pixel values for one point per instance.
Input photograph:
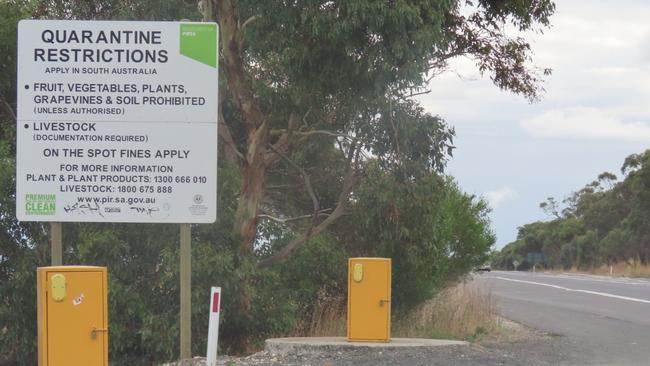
(117, 121)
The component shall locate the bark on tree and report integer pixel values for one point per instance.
(260, 155)
(254, 179)
(254, 166)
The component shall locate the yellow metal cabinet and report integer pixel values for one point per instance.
(72, 316)
(369, 299)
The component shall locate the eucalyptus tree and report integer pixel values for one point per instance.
(606, 221)
(313, 89)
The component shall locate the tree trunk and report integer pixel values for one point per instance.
(254, 179)
(253, 167)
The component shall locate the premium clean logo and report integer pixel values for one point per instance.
(40, 204)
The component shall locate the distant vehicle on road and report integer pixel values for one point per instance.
(484, 268)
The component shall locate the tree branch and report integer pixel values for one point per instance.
(287, 219)
(282, 144)
(205, 6)
(349, 182)
(307, 180)
(248, 21)
(414, 94)
(322, 132)
(395, 132)
(289, 248)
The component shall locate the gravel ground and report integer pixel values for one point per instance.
(514, 345)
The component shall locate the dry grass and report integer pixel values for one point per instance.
(327, 320)
(461, 312)
(630, 268)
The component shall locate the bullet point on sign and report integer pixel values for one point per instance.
(26, 86)
(26, 125)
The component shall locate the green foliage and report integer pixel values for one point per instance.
(466, 231)
(10, 13)
(316, 273)
(433, 232)
(478, 334)
(168, 10)
(357, 49)
(23, 246)
(603, 223)
(438, 334)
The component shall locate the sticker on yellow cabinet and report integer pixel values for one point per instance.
(357, 274)
(58, 287)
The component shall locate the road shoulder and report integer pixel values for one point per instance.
(513, 344)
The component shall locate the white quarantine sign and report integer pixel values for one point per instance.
(117, 121)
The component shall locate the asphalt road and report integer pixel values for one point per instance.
(600, 320)
(586, 320)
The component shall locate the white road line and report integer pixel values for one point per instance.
(584, 277)
(622, 281)
(575, 290)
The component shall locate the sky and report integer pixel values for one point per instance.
(594, 113)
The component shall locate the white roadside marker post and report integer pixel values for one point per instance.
(213, 326)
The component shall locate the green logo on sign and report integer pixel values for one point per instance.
(199, 42)
(40, 204)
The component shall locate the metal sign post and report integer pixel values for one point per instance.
(515, 263)
(56, 240)
(186, 291)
